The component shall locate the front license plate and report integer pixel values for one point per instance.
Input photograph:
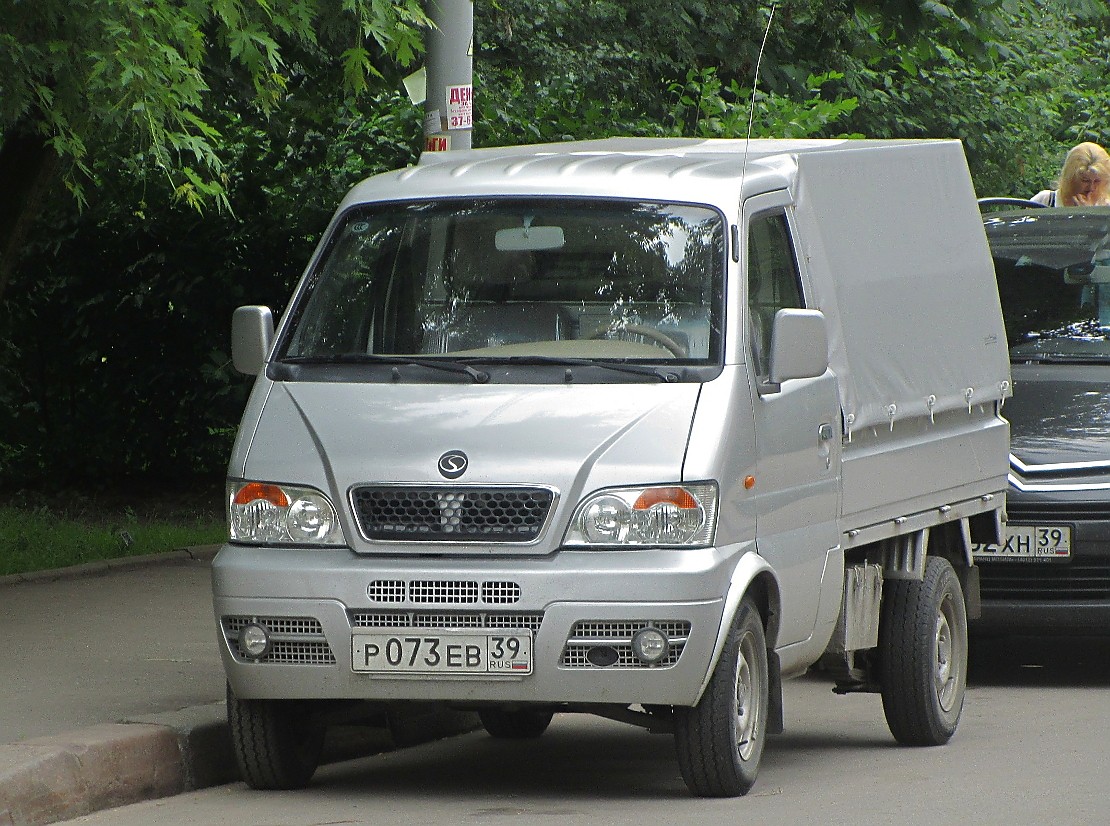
(1033, 542)
(443, 651)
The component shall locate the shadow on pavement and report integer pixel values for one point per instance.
(1039, 661)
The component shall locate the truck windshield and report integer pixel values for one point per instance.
(520, 281)
(1053, 268)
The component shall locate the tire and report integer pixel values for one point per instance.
(923, 655)
(720, 740)
(277, 745)
(518, 724)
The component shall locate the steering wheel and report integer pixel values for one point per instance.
(650, 333)
(1017, 202)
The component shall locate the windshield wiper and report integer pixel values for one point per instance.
(619, 367)
(479, 376)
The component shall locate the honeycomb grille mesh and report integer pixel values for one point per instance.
(446, 514)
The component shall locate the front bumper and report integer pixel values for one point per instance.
(315, 599)
(1052, 596)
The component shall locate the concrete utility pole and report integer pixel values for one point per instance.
(449, 106)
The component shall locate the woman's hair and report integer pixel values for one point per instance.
(1084, 158)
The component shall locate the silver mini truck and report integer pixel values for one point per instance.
(637, 428)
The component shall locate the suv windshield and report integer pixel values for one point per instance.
(534, 281)
(1053, 268)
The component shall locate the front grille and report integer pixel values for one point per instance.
(589, 634)
(1045, 581)
(443, 592)
(429, 619)
(293, 640)
(451, 514)
(1029, 513)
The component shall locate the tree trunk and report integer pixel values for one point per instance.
(27, 168)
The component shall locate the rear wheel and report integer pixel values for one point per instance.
(517, 724)
(923, 653)
(277, 744)
(720, 740)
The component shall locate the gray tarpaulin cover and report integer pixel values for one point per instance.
(931, 264)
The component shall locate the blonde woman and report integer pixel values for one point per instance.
(1084, 179)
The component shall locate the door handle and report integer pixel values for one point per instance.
(824, 443)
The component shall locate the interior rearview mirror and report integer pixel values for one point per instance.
(516, 239)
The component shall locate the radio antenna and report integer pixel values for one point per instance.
(755, 85)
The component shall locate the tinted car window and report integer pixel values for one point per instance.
(1053, 269)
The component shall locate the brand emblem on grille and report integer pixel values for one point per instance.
(452, 464)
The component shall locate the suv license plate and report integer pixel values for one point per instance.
(442, 651)
(1031, 542)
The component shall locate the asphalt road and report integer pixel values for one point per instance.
(1031, 749)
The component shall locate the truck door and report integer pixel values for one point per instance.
(797, 427)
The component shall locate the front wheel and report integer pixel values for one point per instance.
(720, 740)
(923, 654)
(277, 743)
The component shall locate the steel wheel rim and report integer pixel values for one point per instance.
(948, 665)
(748, 693)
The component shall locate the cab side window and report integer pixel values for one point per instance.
(773, 282)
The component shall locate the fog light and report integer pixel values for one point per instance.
(650, 645)
(254, 641)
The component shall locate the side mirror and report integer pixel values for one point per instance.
(799, 346)
(252, 334)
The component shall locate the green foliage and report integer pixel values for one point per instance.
(1018, 101)
(114, 344)
(40, 538)
(706, 108)
(117, 362)
(73, 70)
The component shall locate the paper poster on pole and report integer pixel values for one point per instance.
(431, 123)
(437, 143)
(416, 86)
(460, 107)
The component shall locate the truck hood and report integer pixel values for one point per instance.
(1060, 414)
(336, 435)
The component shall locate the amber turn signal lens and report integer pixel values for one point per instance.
(679, 497)
(256, 490)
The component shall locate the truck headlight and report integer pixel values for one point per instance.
(277, 514)
(667, 515)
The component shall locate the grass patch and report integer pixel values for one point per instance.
(37, 535)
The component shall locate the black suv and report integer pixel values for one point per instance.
(1053, 572)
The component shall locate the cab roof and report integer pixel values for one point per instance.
(678, 169)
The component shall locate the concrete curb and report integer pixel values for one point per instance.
(199, 553)
(64, 776)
